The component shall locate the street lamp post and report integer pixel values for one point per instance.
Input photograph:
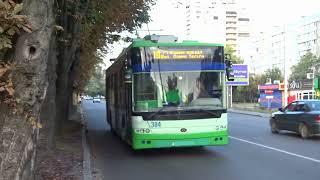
(285, 70)
(283, 33)
(285, 85)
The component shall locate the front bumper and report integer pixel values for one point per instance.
(169, 141)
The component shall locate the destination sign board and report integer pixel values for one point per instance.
(178, 54)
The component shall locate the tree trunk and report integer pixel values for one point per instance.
(67, 49)
(48, 111)
(62, 101)
(18, 136)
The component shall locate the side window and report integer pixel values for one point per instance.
(291, 107)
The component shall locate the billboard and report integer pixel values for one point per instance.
(306, 84)
(241, 75)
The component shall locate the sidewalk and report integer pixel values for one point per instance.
(66, 160)
(252, 113)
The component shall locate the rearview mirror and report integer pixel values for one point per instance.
(280, 109)
(128, 76)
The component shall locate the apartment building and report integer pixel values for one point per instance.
(309, 35)
(205, 20)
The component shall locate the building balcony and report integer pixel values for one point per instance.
(231, 42)
(231, 25)
(231, 36)
(231, 31)
(230, 18)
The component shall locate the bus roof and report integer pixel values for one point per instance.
(149, 43)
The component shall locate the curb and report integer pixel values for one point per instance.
(265, 115)
(87, 172)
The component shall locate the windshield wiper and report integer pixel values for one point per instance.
(212, 112)
(153, 114)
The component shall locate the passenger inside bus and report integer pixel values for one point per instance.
(205, 87)
(198, 92)
(173, 94)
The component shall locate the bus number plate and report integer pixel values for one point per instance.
(155, 124)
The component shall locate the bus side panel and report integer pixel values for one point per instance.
(107, 94)
(112, 99)
(128, 112)
(122, 104)
(119, 106)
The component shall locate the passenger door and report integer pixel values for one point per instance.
(306, 117)
(295, 117)
(286, 116)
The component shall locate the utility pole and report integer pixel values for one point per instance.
(285, 69)
(283, 33)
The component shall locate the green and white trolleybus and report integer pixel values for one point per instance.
(163, 93)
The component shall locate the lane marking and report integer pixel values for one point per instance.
(275, 149)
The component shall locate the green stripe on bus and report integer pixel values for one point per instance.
(179, 136)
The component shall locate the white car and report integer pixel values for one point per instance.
(96, 100)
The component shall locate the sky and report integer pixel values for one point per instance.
(268, 13)
(264, 14)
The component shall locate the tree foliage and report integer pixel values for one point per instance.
(304, 66)
(273, 74)
(247, 93)
(250, 93)
(96, 85)
(101, 26)
(11, 22)
(6, 85)
(228, 49)
(88, 27)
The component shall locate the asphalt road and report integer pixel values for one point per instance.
(253, 153)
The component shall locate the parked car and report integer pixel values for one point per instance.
(301, 116)
(87, 98)
(96, 100)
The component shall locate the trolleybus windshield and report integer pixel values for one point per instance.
(179, 78)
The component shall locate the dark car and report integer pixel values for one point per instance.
(302, 117)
